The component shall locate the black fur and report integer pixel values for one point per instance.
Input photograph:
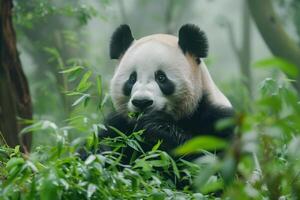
(202, 122)
(167, 86)
(120, 41)
(161, 126)
(127, 87)
(193, 40)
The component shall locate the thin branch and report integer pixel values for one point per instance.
(169, 15)
(232, 40)
(122, 11)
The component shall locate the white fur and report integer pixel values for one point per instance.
(215, 95)
(161, 52)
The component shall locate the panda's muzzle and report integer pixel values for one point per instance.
(142, 104)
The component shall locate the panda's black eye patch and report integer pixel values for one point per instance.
(129, 83)
(132, 78)
(160, 76)
(166, 85)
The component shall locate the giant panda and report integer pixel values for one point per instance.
(164, 80)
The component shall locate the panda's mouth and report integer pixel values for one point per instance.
(143, 111)
(135, 113)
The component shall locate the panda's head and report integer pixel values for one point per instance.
(160, 72)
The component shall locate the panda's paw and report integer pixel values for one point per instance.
(156, 126)
(154, 120)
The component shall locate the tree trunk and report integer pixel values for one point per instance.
(243, 51)
(15, 101)
(296, 17)
(278, 41)
(169, 16)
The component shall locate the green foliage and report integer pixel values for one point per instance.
(201, 143)
(35, 11)
(56, 172)
(285, 66)
(52, 36)
(261, 162)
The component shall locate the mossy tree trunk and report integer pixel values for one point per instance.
(15, 101)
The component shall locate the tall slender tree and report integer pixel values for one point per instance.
(274, 34)
(15, 100)
(243, 51)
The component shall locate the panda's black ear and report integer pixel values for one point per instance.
(120, 41)
(193, 40)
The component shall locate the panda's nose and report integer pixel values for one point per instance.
(142, 103)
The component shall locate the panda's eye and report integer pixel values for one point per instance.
(160, 76)
(132, 78)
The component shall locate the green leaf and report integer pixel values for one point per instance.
(199, 144)
(55, 56)
(72, 69)
(157, 196)
(288, 68)
(204, 175)
(81, 99)
(225, 123)
(212, 186)
(90, 159)
(99, 90)
(14, 162)
(135, 145)
(268, 87)
(99, 86)
(49, 188)
(156, 146)
(102, 103)
(84, 84)
(91, 190)
(86, 101)
(228, 169)
(32, 166)
(40, 125)
(174, 167)
(118, 132)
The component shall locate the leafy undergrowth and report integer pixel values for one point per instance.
(262, 161)
(57, 172)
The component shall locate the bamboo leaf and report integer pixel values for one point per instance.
(288, 68)
(72, 69)
(84, 84)
(201, 143)
(81, 99)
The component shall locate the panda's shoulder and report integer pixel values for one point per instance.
(207, 109)
(204, 118)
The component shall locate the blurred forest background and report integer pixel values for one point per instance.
(54, 35)
(54, 79)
